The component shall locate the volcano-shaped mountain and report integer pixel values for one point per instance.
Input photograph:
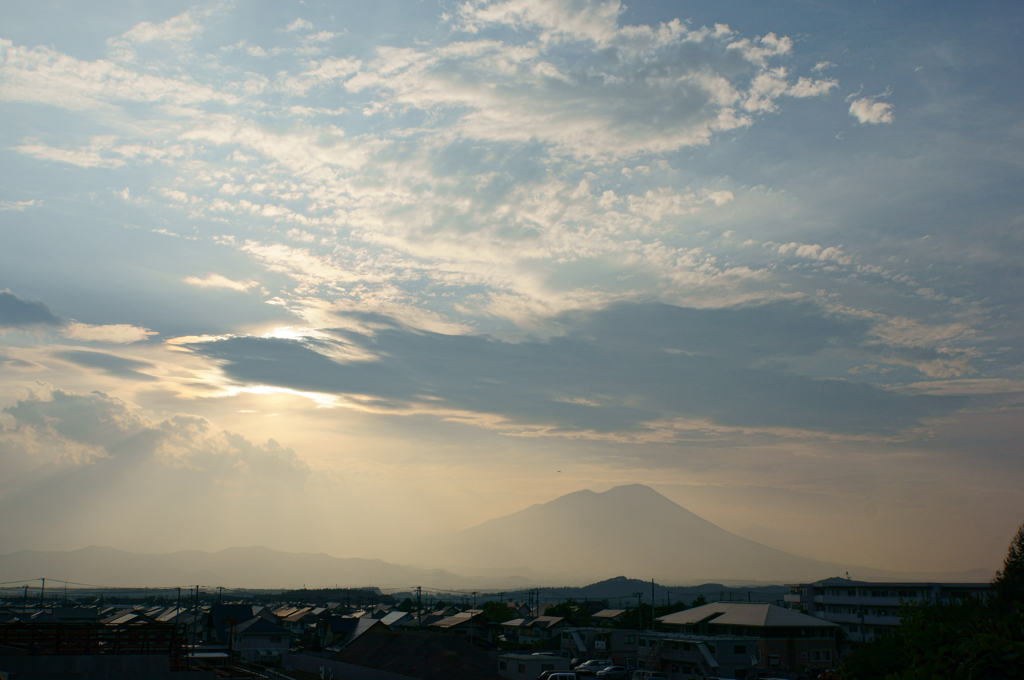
(630, 530)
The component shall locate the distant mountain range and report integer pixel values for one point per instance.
(584, 536)
(253, 567)
(576, 539)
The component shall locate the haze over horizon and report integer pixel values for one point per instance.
(337, 277)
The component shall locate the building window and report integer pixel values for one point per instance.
(643, 642)
(675, 645)
(502, 665)
(739, 649)
(630, 640)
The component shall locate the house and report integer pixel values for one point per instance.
(396, 619)
(537, 631)
(606, 616)
(222, 616)
(419, 655)
(518, 609)
(520, 666)
(870, 609)
(771, 637)
(300, 621)
(471, 624)
(592, 642)
(258, 640)
(337, 632)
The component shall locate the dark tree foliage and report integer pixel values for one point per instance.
(666, 609)
(498, 612)
(575, 613)
(1009, 581)
(699, 602)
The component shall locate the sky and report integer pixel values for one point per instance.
(340, 277)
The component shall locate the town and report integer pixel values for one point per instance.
(797, 632)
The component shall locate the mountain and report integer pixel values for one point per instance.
(253, 567)
(635, 530)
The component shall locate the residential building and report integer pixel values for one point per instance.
(583, 643)
(870, 609)
(258, 640)
(521, 666)
(772, 637)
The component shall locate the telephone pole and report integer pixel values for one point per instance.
(419, 606)
(42, 594)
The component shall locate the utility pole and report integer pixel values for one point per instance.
(42, 594)
(419, 606)
(177, 606)
(652, 604)
(639, 611)
(24, 605)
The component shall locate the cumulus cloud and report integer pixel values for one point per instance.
(868, 110)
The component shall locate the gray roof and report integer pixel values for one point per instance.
(608, 613)
(743, 614)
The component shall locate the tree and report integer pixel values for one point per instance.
(1009, 581)
(572, 611)
(699, 602)
(498, 612)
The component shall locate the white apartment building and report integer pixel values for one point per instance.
(870, 609)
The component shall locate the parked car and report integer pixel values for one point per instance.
(613, 673)
(558, 675)
(593, 666)
(649, 675)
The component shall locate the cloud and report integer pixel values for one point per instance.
(641, 363)
(867, 110)
(111, 364)
(814, 252)
(45, 76)
(83, 158)
(218, 281)
(19, 205)
(118, 334)
(573, 77)
(18, 313)
(299, 25)
(84, 458)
